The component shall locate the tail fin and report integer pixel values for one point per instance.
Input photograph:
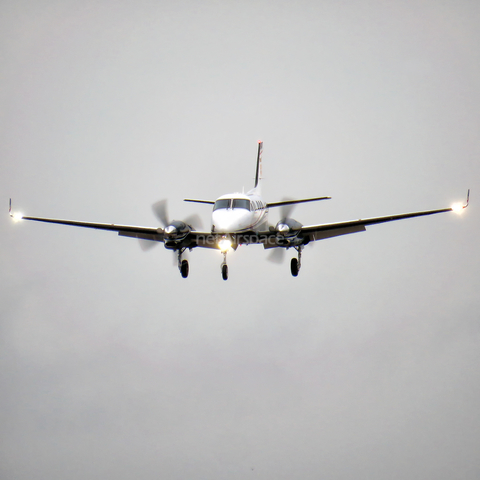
(258, 174)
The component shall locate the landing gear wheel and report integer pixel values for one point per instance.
(294, 267)
(184, 268)
(225, 272)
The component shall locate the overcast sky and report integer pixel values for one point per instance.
(365, 366)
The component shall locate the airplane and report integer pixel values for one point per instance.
(240, 219)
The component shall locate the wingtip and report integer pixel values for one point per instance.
(468, 199)
(15, 215)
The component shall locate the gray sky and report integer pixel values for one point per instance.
(365, 366)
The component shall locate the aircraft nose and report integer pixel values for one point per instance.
(228, 220)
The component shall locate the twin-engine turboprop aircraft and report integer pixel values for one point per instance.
(240, 219)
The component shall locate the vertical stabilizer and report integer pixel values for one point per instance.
(258, 174)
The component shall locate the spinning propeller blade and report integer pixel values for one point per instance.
(286, 210)
(277, 255)
(161, 211)
(146, 245)
(195, 221)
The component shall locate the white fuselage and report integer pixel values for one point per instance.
(239, 212)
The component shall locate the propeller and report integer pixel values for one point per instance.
(195, 221)
(277, 255)
(286, 210)
(160, 209)
(146, 245)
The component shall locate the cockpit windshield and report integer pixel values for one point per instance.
(241, 203)
(223, 203)
(229, 203)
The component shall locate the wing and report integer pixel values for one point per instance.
(270, 238)
(190, 239)
(320, 232)
(146, 233)
(308, 233)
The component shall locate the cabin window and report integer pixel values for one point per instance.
(241, 203)
(223, 203)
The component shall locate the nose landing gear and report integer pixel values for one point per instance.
(225, 272)
(224, 266)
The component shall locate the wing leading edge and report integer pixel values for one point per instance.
(193, 238)
(319, 232)
(329, 230)
(147, 233)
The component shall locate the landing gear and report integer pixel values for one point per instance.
(294, 267)
(182, 264)
(184, 268)
(295, 263)
(224, 266)
(225, 272)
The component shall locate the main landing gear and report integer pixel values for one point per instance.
(182, 264)
(224, 266)
(295, 263)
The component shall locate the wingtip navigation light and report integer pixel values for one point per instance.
(17, 216)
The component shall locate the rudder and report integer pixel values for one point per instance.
(258, 174)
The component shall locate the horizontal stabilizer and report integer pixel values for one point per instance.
(211, 202)
(291, 202)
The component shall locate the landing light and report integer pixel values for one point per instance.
(17, 216)
(224, 244)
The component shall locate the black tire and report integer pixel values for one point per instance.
(294, 267)
(184, 268)
(225, 272)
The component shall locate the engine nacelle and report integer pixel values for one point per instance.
(288, 231)
(288, 226)
(175, 233)
(176, 228)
